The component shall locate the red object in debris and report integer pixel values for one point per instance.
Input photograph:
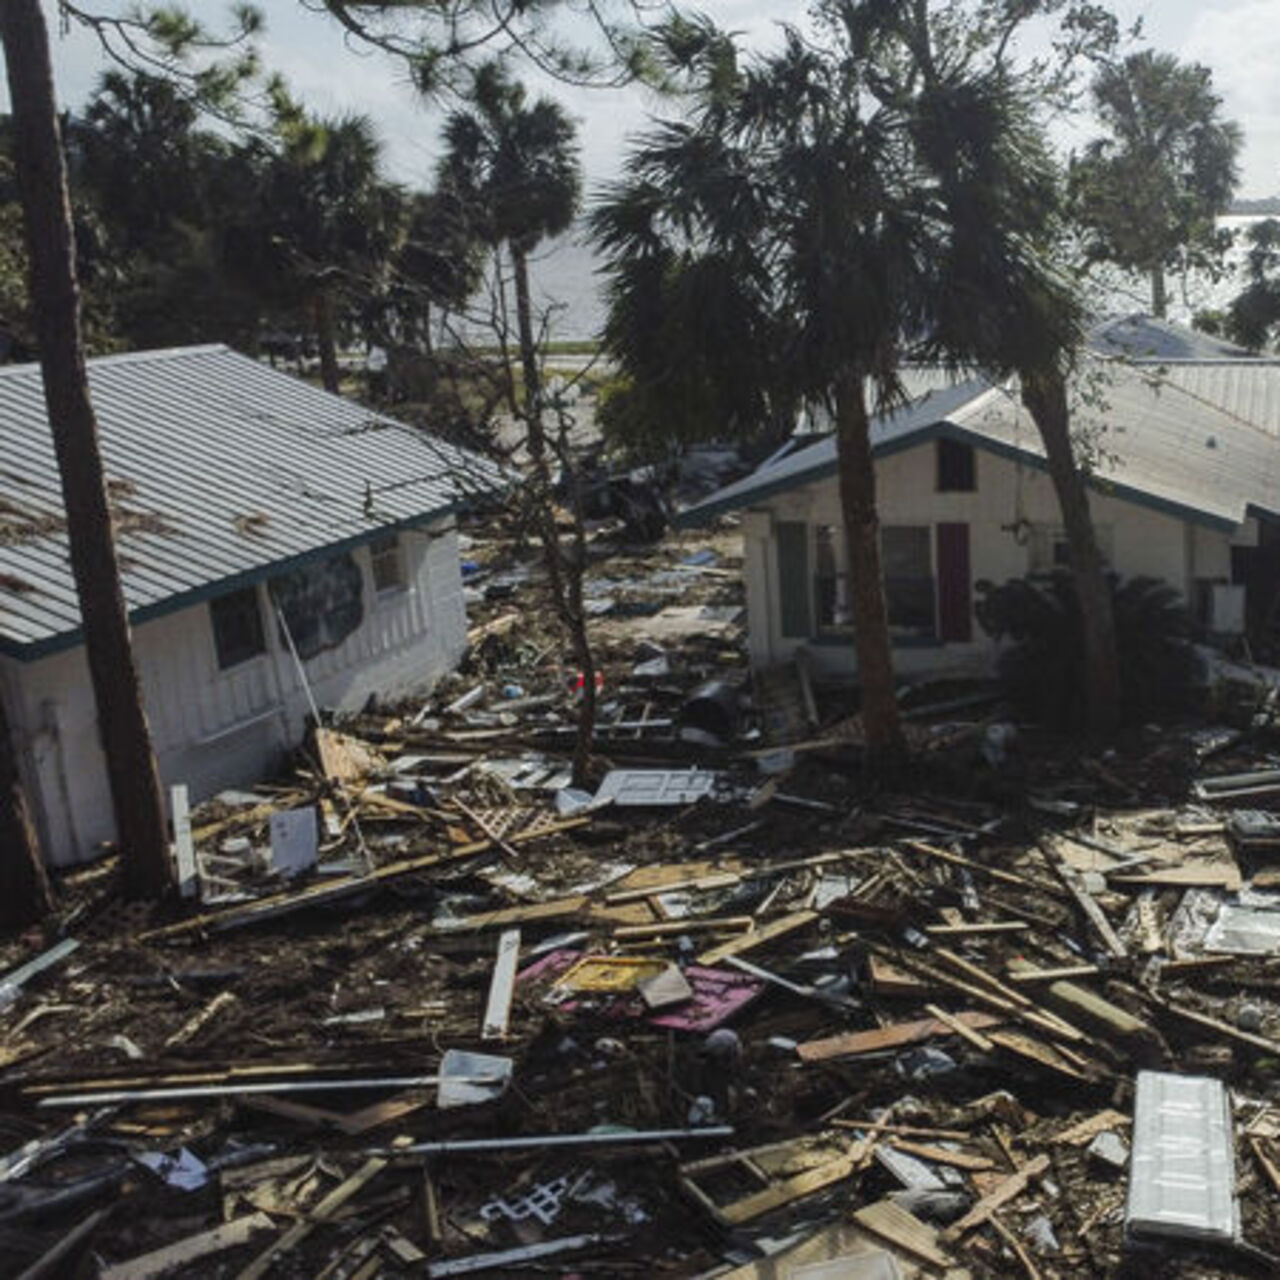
(580, 681)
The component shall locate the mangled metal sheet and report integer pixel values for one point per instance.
(1244, 931)
(629, 788)
(1182, 1179)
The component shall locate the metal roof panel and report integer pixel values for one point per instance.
(218, 467)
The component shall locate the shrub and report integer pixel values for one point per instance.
(1043, 669)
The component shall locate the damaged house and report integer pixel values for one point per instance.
(1182, 436)
(276, 544)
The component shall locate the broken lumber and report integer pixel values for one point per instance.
(1093, 913)
(941, 1155)
(325, 1210)
(759, 937)
(502, 987)
(160, 1262)
(279, 904)
(853, 1043)
(903, 1230)
(970, 864)
(1012, 1187)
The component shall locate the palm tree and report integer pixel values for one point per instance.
(515, 164)
(1006, 307)
(805, 188)
(319, 226)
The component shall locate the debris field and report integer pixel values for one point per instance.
(732, 1009)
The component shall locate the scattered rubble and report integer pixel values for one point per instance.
(728, 1011)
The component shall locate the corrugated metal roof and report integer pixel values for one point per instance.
(1182, 1179)
(814, 461)
(219, 468)
(1143, 337)
(1248, 390)
(1197, 440)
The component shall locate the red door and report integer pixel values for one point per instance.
(955, 613)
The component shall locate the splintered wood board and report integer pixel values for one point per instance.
(857, 1042)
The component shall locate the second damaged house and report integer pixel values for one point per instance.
(1181, 434)
(271, 537)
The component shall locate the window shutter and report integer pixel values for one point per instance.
(793, 578)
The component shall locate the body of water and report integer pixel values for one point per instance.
(568, 288)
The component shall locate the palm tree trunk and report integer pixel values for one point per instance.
(55, 295)
(1159, 292)
(24, 887)
(881, 722)
(327, 342)
(1045, 395)
(529, 358)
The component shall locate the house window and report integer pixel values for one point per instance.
(1050, 553)
(238, 634)
(830, 582)
(957, 468)
(908, 580)
(388, 564)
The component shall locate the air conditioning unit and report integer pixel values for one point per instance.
(1226, 609)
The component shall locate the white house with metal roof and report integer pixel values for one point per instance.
(257, 518)
(1182, 433)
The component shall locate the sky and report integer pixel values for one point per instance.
(1239, 40)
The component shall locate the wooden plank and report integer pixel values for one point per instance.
(759, 937)
(886, 980)
(975, 1038)
(502, 986)
(780, 1193)
(1012, 1187)
(942, 1155)
(1077, 1135)
(325, 1210)
(1224, 1029)
(1089, 906)
(1029, 977)
(994, 873)
(184, 849)
(1043, 1055)
(279, 904)
(903, 1230)
(852, 1043)
(670, 928)
(182, 1252)
(915, 1130)
(1212, 875)
(1019, 1249)
(976, 930)
(51, 1263)
(198, 1021)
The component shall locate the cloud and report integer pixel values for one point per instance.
(1241, 44)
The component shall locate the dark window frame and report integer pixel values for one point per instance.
(957, 466)
(239, 634)
(384, 551)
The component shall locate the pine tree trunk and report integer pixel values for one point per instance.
(1159, 293)
(327, 342)
(24, 887)
(529, 358)
(885, 742)
(1045, 395)
(122, 722)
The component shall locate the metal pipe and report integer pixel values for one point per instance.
(179, 1093)
(522, 1142)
